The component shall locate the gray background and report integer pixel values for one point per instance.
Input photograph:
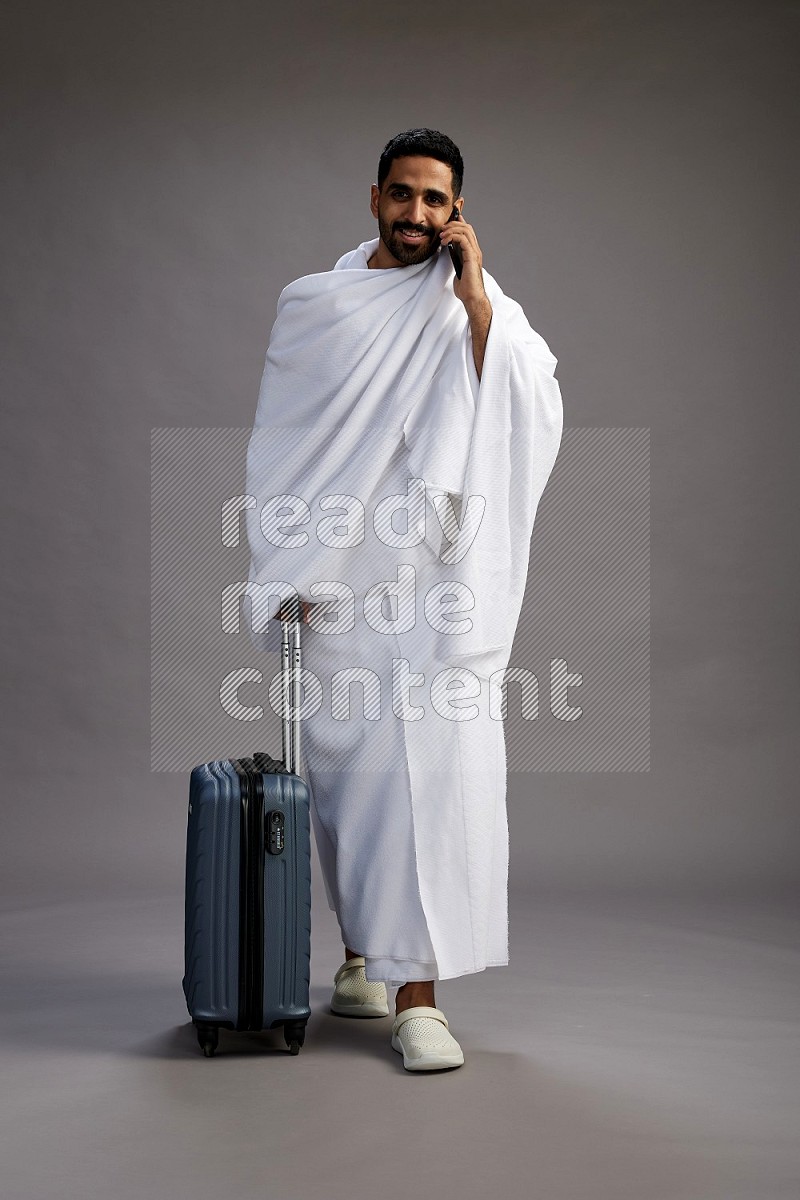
(630, 171)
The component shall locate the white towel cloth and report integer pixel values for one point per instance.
(369, 390)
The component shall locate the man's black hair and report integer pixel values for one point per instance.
(430, 144)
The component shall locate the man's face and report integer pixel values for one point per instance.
(416, 200)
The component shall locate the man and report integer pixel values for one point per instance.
(394, 388)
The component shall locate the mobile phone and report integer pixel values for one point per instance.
(455, 251)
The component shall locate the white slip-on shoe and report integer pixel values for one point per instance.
(354, 995)
(421, 1034)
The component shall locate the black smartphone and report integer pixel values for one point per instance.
(455, 251)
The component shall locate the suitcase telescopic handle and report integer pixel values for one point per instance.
(291, 661)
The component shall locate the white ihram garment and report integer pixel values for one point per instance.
(369, 384)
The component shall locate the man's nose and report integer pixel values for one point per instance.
(416, 211)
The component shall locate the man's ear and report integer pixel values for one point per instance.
(373, 201)
(459, 203)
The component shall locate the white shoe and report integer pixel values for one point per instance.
(421, 1034)
(354, 995)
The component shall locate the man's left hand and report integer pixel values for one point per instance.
(469, 288)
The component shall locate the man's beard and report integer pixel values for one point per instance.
(409, 256)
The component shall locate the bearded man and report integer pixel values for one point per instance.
(398, 391)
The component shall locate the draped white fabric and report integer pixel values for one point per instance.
(370, 407)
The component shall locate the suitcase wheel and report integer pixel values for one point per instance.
(294, 1034)
(208, 1037)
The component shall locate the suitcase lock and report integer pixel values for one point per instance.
(275, 833)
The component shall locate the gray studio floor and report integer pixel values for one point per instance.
(642, 1048)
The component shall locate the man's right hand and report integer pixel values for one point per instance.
(306, 607)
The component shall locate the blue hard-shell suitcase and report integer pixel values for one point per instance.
(248, 886)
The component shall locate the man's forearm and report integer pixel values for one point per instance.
(480, 318)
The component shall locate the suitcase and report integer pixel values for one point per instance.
(248, 885)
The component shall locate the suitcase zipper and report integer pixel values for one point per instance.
(251, 898)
